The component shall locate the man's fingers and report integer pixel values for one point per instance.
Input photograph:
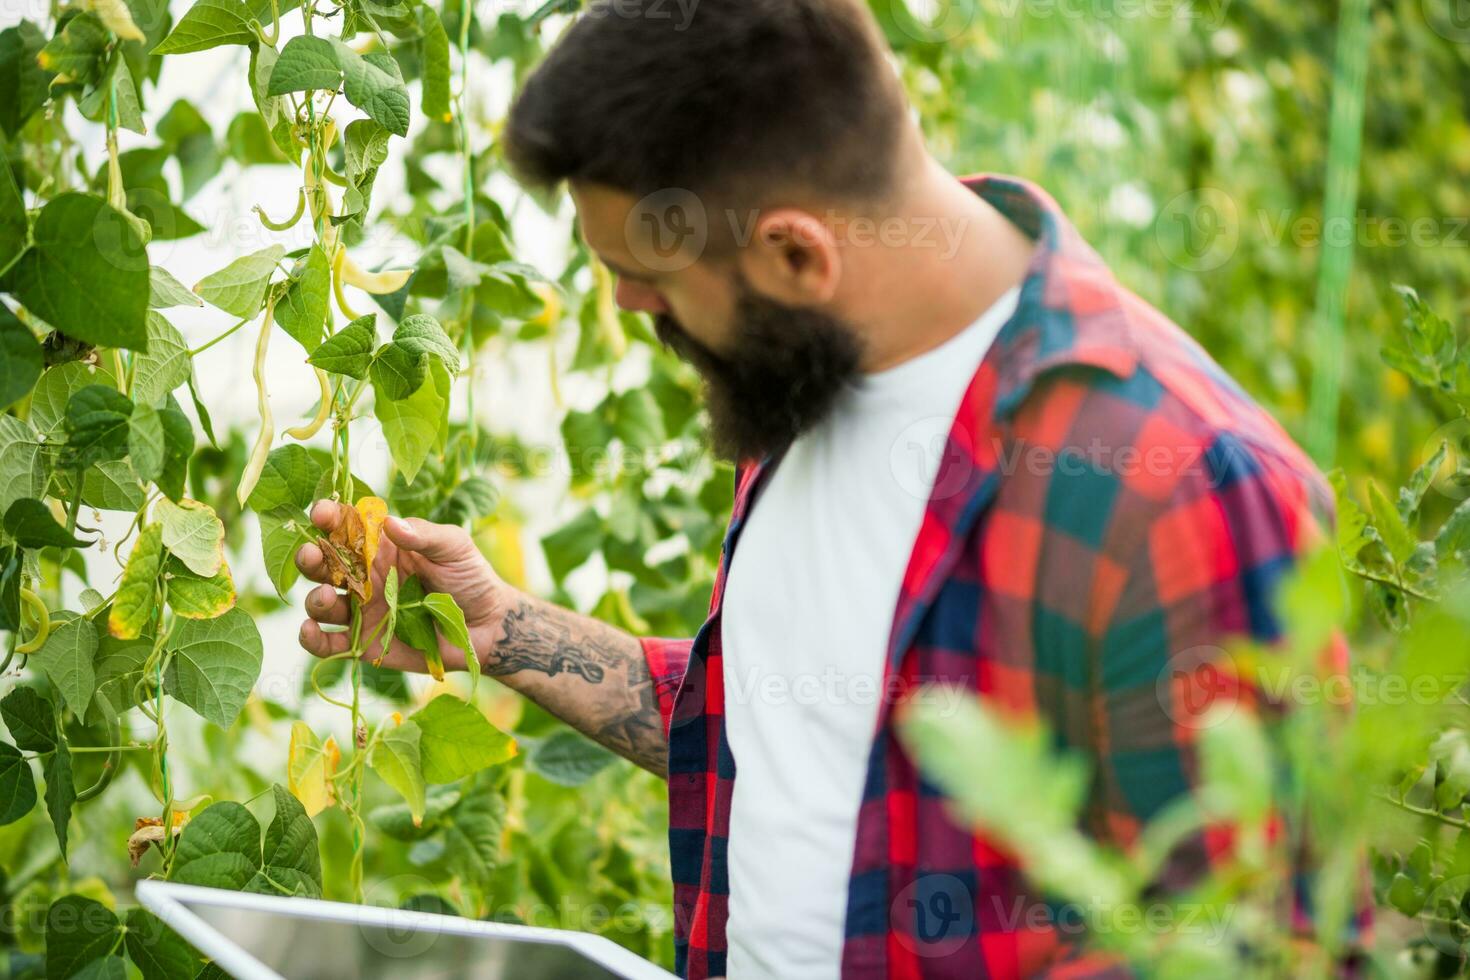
(309, 560)
(324, 605)
(320, 644)
(436, 542)
(327, 514)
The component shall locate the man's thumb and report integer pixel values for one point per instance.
(436, 542)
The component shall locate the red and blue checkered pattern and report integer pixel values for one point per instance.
(1110, 512)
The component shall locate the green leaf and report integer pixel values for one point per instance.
(61, 792)
(77, 54)
(14, 224)
(283, 530)
(568, 759)
(145, 441)
(350, 350)
(119, 668)
(637, 420)
(157, 951)
(165, 291)
(220, 848)
(573, 543)
(306, 62)
(450, 617)
(165, 366)
(209, 24)
(96, 426)
(473, 830)
(1396, 535)
(21, 357)
(289, 479)
(81, 934)
(32, 525)
(421, 335)
(397, 371)
(17, 785)
(374, 85)
(178, 444)
(461, 271)
(198, 597)
(415, 625)
(67, 658)
(31, 719)
(239, 288)
(23, 82)
(417, 424)
(291, 858)
(435, 65)
(194, 533)
(397, 821)
(23, 471)
(395, 757)
(302, 310)
(364, 148)
(134, 603)
(1453, 539)
(214, 665)
(86, 272)
(456, 740)
(114, 486)
(471, 500)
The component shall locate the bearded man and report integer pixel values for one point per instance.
(965, 455)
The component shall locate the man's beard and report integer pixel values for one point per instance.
(784, 371)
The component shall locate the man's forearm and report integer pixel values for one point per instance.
(591, 675)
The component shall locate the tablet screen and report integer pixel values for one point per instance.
(306, 948)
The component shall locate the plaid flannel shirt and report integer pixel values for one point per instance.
(1111, 510)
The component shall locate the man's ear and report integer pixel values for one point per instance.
(792, 258)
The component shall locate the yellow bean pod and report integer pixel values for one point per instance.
(306, 431)
(256, 465)
(42, 615)
(289, 222)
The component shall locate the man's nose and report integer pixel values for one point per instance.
(638, 298)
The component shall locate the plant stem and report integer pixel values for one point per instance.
(207, 345)
(1420, 811)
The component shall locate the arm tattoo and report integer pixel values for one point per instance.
(542, 638)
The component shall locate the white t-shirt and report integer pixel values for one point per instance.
(808, 608)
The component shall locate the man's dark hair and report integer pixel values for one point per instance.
(745, 100)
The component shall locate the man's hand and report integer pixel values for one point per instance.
(590, 675)
(445, 560)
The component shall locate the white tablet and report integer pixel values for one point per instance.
(269, 937)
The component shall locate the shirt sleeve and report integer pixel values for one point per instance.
(667, 662)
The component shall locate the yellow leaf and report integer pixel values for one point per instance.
(310, 766)
(373, 511)
(117, 17)
(134, 603)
